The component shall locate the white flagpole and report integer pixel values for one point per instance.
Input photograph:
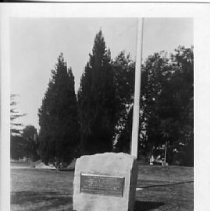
(137, 92)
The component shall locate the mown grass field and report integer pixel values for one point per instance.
(160, 188)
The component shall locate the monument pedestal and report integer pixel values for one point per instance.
(105, 182)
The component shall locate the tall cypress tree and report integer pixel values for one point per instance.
(96, 98)
(58, 117)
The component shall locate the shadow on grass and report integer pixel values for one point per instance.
(168, 184)
(147, 205)
(55, 199)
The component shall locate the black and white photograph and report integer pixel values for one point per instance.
(101, 110)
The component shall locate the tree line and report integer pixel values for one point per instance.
(98, 118)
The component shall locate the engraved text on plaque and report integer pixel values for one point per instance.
(102, 184)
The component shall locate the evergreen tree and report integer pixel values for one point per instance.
(58, 116)
(124, 82)
(30, 136)
(124, 74)
(15, 127)
(17, 147)
(17, 143)
(96, 98)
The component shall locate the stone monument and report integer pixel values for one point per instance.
(105, 182)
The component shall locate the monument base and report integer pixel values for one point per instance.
(105, 182)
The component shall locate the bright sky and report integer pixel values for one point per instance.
(35, 44)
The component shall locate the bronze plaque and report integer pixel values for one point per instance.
(102, 184)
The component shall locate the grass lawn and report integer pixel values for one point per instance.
(159, 188)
